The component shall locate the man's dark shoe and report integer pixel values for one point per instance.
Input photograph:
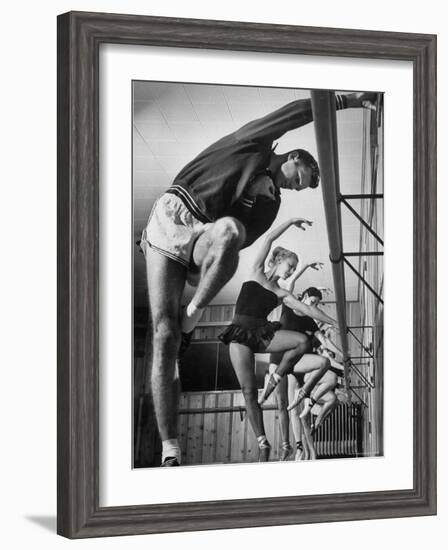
(170, 461)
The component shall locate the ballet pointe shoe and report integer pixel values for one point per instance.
(269, 387)
(306, 408)
(264, 452)
(300, 396)
(285, 453)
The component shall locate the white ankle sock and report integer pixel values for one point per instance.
(191, 317)
(191, 309)
(170, 448)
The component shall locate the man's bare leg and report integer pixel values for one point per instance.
(216, 254)
(166, 281)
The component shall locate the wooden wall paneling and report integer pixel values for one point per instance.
(195, 429)
(251, 443)
(209, 434)
(223, 425)
(272, 427)
(183, 426)
(237, 444)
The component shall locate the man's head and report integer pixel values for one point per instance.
(300, 171)
(312, 296)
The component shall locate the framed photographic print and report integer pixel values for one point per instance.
(246, 274)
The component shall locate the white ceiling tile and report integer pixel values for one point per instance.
(302, 94)
(178, 112)
(150, 178)
(203, 93)
(276, 95)
(147, 111)
(171, 91)
(191, 149)
(242, 94)
(139, 145)
(212, 133)
(144, 90)
(173, 164)
(146, 161)
(209, 112)
(245, 112)
(159, 131)
(185, 131)
(163, 147)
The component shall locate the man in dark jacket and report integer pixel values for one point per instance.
(221, 202)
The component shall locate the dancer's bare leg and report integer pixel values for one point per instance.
(293, 387)
(292, 345)
(308, 439)
(326, 384)
(281, 397)
(317, 365)
(243, 363)
(330, 403)
(215, 253)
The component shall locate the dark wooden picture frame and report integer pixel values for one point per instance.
(79, 38)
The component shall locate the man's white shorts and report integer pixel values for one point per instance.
(172, 229)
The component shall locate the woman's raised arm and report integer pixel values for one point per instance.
(275, 234)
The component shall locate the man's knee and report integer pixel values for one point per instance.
(229, 233)
(166, 332)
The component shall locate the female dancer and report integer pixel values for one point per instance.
(323, 392)
(303, 324)
(250, 332)
(288, 384)
(324, 399)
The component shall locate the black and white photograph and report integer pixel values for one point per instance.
(258, 274)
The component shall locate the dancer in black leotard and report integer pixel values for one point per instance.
(300, 386)
(250, 332)
(249, 325)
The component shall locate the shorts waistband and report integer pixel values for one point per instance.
(188, 201)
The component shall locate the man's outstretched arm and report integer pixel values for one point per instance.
(295, 115)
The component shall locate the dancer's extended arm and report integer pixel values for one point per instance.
(303, 309)
(260, 259)
(299, 272)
